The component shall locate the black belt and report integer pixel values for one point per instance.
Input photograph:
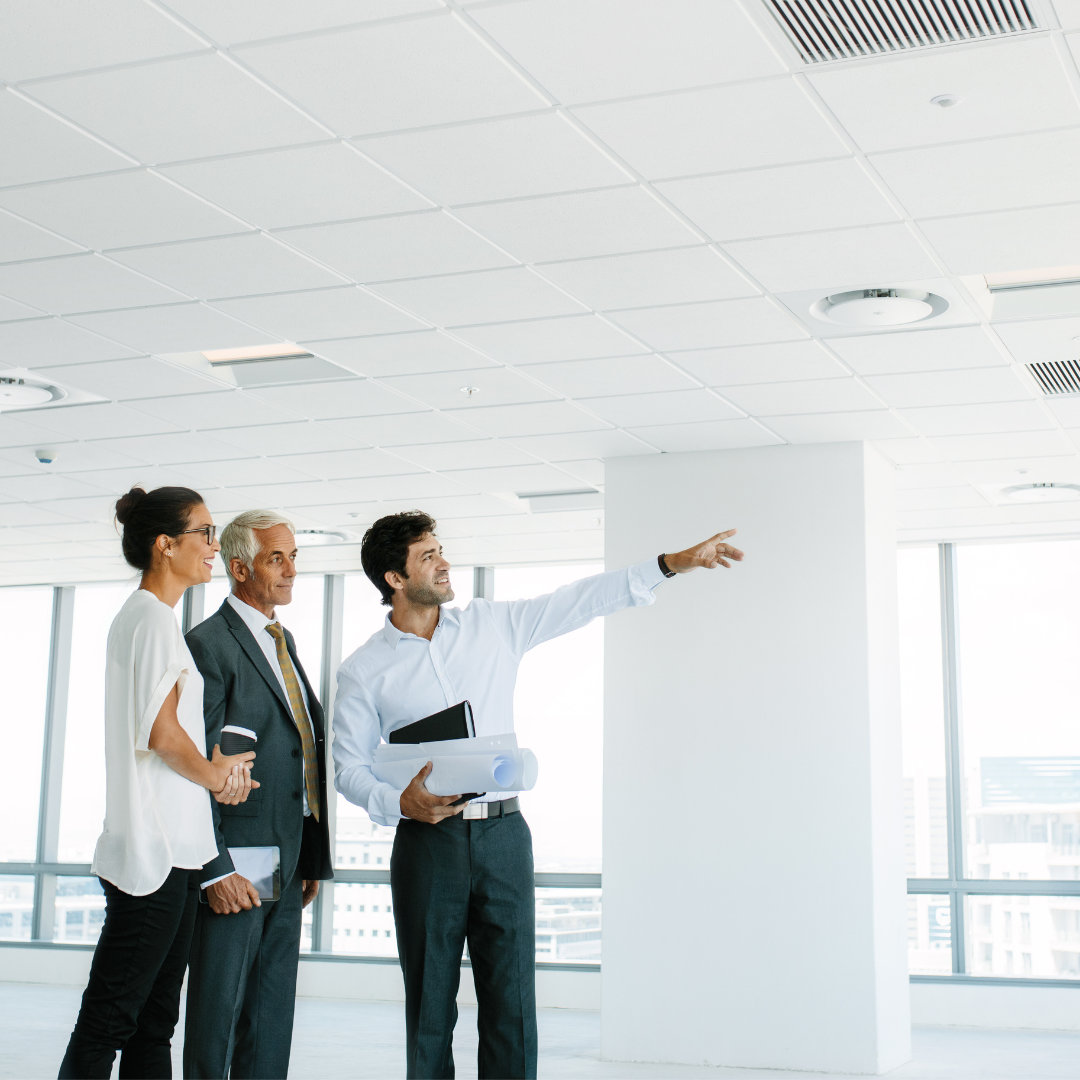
(478, 811)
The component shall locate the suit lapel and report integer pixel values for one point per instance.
(251, 649)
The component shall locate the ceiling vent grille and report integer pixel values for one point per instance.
(1057, 377)
(824, 30)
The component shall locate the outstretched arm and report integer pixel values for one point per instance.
(709, 553)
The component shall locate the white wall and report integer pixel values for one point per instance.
(754, 907)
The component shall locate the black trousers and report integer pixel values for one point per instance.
(132, 1000)
(468, 881)
(242, 989)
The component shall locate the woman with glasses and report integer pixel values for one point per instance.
(158, 824)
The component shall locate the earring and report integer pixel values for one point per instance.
(168, 552)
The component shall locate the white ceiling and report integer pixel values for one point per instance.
(607, 216)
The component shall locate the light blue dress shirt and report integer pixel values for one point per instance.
(474, 653)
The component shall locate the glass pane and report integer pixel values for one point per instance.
(363, 920)
(559, 703)
(1018, 641)
(1034, 937)
(929, 932)
(82, 799)
(358, 837)
(16, 908)
(568, 926)
(922, 713)
(306, 924)
(80, 909)
(24, 645)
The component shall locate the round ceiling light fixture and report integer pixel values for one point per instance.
(869, 308)
(1042, 493)
(319, 537)
(22, 393)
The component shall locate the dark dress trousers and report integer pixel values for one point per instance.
(242, 977)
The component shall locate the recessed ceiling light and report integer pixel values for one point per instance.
(252, 353)
(17, 392)
(878, 307)
(546, 502)
(1043, 493)
(319, 537)
(1032, 279)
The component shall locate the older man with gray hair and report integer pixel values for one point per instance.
(244, 955)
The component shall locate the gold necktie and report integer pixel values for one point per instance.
(300, 718)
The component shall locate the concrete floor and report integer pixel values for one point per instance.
(355, 1040)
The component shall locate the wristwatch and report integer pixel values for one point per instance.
(664, 568)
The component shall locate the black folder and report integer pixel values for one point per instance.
(453, 723)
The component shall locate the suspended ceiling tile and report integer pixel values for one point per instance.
(118, 210)
(173, 328)
(781, 362)
(790, 199)
(581, 224)
(299, 186)
(711, 435)
(511, 479)
(75, 458)
(249, 20)
(241, 471)
(718, 130)
(1007, 240)
(873, 256)
(585, 50)
(1066, 410)
(51, 37)
(396, 430)
(548, 417)
(402, 246)
(10, 311)
(977, 419)
(1041, 340)
(203, 105)
(414, 485)
(99, 421)
(22, 240)
(976, 447)
(283, 496)
(225, 409)
(839, 427)
(1004, 88)
(569, 337)
(316, 314)
(463, 455)
(40, 342)
(330, 400)
(80, 283)
(171, 450)
(702, 326)
(346, 464)
(48, 148)
(676, 276)
(570, 449)
(485, 296)
(400, 354)
(16, 514)
(228, 266)
(921, 350)
(910, 451)
(673, 406)
(496, 159)
(1013, 172)
(33, 489)
(813, 396)
(21, 429)
(125, 380)
(967, 386)
(393, 75)
(491, 386)
(614, 375)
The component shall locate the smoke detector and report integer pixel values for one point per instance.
(868, 308)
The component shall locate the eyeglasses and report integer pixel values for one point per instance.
(209, 531)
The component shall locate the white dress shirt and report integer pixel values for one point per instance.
(257, 622)
(474, 653)
(155, 818)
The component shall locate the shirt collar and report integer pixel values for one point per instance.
(392, 635)
(254, 619)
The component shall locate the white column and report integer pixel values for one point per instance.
(754, 907)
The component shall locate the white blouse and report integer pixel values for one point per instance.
(155, 819)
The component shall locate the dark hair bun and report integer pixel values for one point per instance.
(127, 503)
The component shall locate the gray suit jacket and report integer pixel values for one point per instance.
(241, 688)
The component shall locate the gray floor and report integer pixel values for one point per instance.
(350, 1040)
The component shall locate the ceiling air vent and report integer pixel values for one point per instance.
(1057, 376)
(824, 30)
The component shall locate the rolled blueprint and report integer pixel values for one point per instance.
(459, 770)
